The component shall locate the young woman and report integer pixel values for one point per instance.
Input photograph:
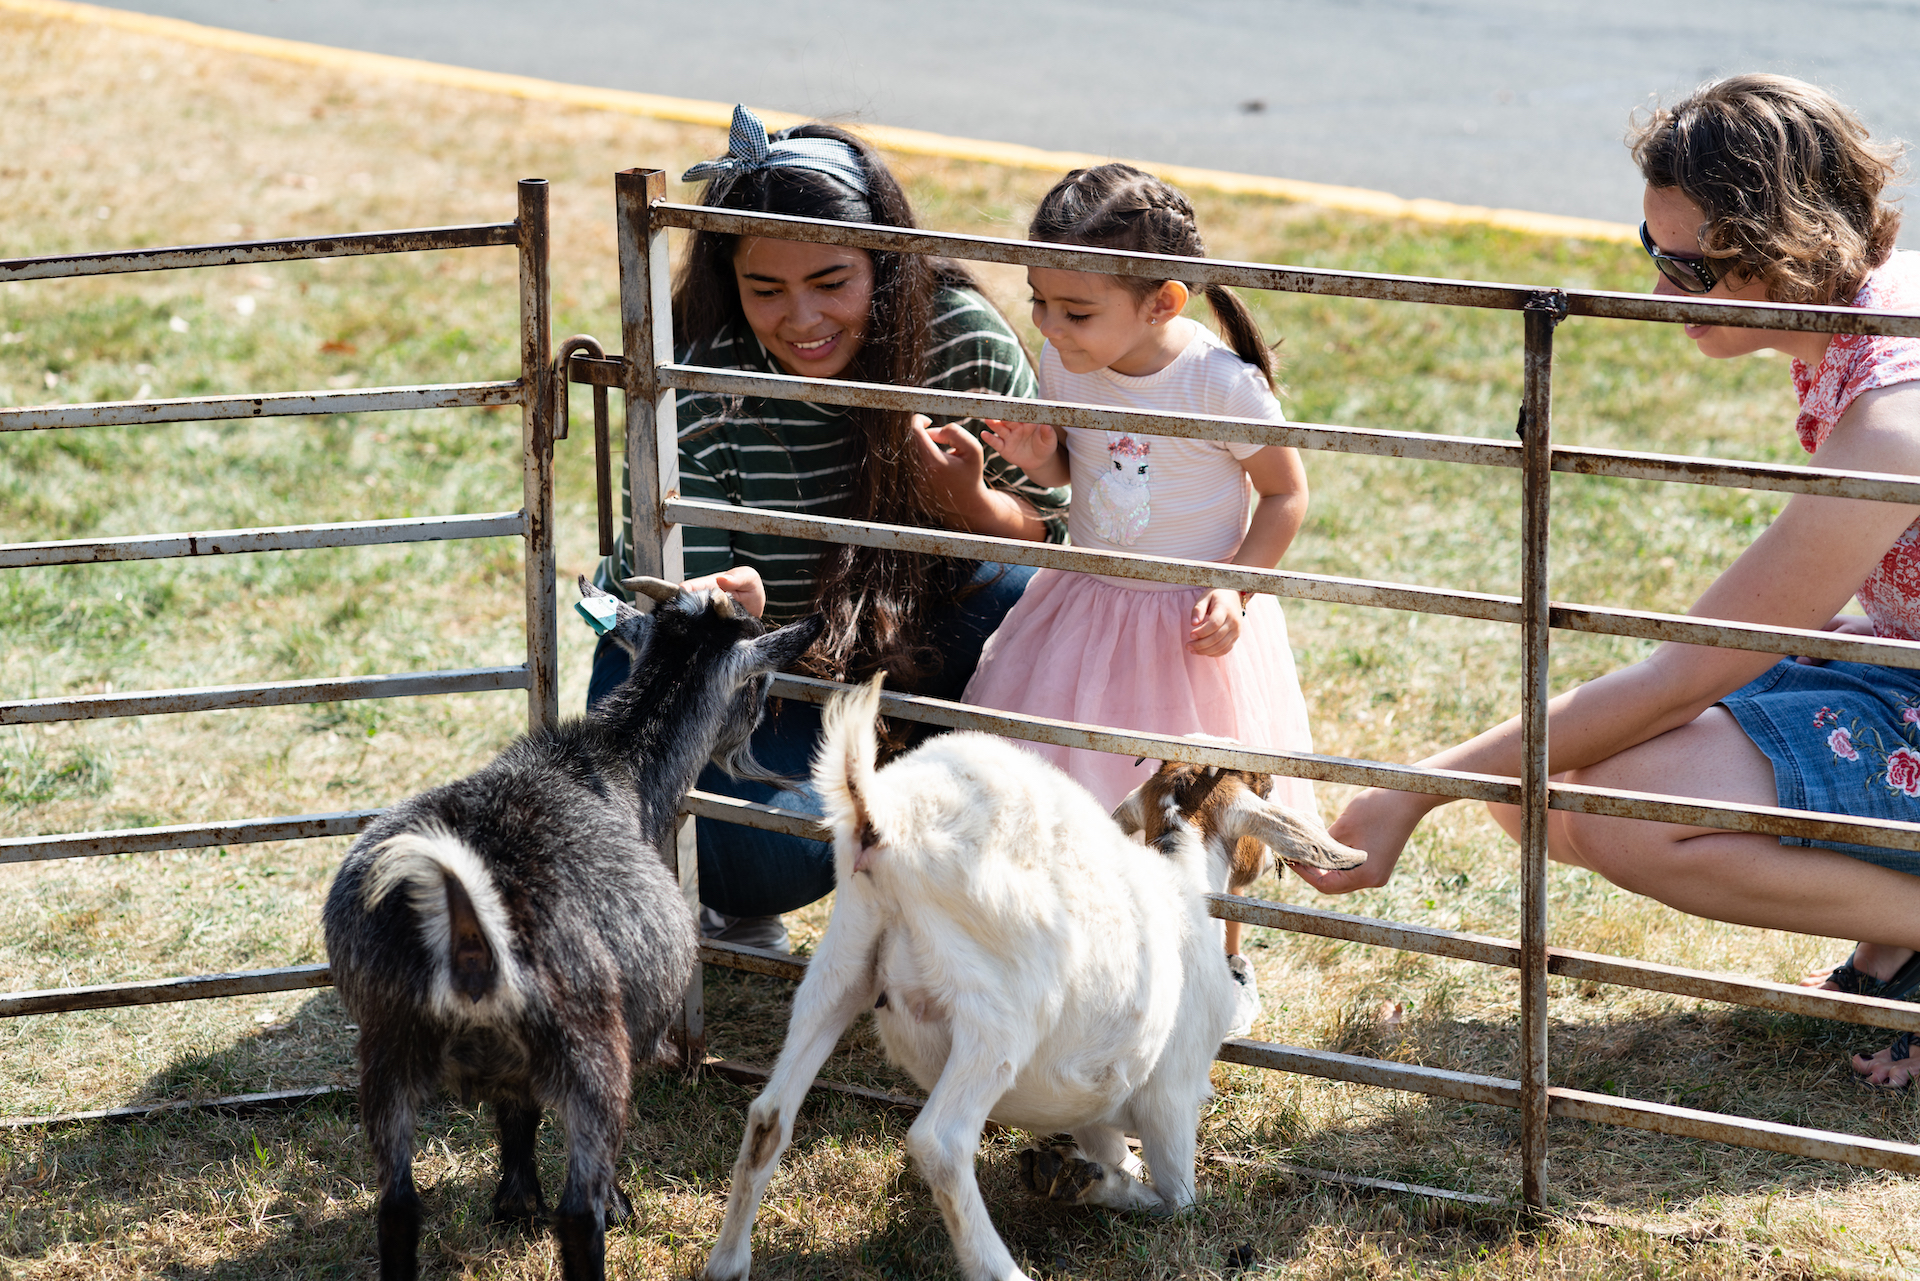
(1760, 188)
(823, 311)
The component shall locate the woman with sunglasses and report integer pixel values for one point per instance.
(1762, 189)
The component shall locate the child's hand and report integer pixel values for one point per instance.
(1028, 446)
(1215, 623)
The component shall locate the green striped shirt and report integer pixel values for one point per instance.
(796, 456)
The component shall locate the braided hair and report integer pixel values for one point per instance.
(1116, 206)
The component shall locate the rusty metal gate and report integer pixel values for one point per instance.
(527, 233)
(649, 377)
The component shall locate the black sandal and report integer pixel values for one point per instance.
(1848, 978)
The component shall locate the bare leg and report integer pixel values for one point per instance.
(1233, 937)
(1743, 877)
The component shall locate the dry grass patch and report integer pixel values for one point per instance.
(118, 140)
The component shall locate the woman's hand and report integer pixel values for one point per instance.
(955, 465)
(1378, 821)
(1215, 623)
(1032, 447)
(1844, 625)
(742, 582)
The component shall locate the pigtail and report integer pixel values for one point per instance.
(1241, 330)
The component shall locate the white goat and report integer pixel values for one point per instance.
(1025, 960)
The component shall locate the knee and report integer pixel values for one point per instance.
(938, 1155)
(1631, 853)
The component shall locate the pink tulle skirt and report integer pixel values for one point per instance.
(1081, 648)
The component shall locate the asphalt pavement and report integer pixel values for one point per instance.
(1512, 103)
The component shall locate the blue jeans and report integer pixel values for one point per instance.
(745, 871)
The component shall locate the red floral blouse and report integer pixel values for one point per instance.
(1856, 363)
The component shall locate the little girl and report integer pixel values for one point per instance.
(1142, 655)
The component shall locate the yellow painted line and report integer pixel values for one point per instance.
(906, 141)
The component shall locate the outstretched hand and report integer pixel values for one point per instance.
(1028, 446)
(1378, 821)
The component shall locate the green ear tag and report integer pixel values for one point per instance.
(600, 612)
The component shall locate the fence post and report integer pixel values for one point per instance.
(653, 470)
(1542, 312)
(536, 448)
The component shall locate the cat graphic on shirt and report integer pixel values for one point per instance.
(1121, 501)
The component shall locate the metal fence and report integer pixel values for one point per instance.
(649, 378)
(532, 391)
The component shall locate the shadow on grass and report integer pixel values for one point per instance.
(289, 1193)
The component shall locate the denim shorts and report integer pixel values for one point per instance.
(1844, 738)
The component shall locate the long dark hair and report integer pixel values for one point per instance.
(1116, 206)
(877, 602)
(1787, 177)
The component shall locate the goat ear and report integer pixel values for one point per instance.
(1131, 814)
(1293, 835)
(613, 618)
(781, 648)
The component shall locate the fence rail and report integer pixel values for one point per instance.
(237, 253)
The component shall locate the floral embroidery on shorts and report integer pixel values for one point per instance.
(1898, 767)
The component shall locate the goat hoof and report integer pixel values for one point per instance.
(619, 1208)
(528, 1213)
(1059, 1173)
(1037, 1168)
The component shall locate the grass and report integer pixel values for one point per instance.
(117, 140)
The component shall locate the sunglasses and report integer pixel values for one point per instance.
(1691, 275)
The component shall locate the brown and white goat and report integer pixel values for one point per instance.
(1242, 828)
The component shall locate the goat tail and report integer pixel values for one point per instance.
(475, 976)
(843, 772)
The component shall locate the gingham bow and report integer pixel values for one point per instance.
(748, 148)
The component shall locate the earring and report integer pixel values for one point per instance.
(1151, 321)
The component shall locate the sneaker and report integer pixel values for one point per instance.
(1246, 995)
(768, 933)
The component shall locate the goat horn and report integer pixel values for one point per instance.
(657, 588)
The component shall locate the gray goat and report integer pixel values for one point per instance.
(517, 932)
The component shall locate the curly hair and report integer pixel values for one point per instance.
(1788, 179)
(1116, 206)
